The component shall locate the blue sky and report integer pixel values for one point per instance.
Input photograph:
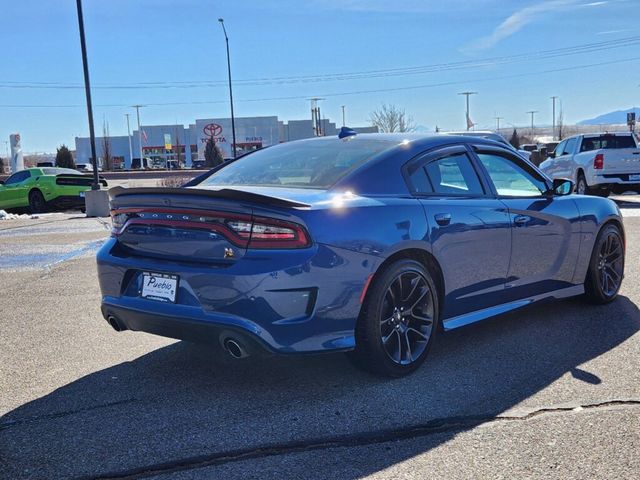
(180, 46)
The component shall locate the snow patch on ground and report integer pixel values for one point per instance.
(14, 216)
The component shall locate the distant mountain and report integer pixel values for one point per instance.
(422, 129)
(612, 118)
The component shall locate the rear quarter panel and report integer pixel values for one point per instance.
(594, 213)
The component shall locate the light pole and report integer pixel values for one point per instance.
(532, 113)
(233, 121)
(468, 94)
(138, 107)
(87, 88)
(343, 117)
(553, 128)
(498, 123)
(129, 137)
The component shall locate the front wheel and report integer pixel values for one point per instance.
(606, 268)
(398, 321)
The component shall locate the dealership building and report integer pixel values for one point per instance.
(185, 145)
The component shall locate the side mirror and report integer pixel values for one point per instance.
(552, 154)
(1, 182)
(561, 186)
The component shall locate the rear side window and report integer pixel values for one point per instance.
(454, 175)
(607, 141)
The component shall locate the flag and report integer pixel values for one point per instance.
(470, 123)
(144, 135)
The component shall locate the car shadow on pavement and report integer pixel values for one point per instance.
(184, 406)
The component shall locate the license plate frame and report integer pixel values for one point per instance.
(159, 287)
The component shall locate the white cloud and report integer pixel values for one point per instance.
(519, 19)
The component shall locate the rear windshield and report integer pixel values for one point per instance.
(607, 141)
(310, 164)
(59, 171)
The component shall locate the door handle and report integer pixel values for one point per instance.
(443, 219)
(521, 220)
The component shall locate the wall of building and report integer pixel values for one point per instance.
(189, 143)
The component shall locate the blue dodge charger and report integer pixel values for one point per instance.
(370, 244)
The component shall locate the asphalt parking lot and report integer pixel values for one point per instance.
(549, 392)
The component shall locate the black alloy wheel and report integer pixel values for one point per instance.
(36, 201)
(606, 269)
(398, 321)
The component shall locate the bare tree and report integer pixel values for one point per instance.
(390, 118)
(107, 158)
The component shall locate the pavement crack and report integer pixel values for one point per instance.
(26, 420)
(346, 441)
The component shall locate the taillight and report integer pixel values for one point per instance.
(598, 161)
(242, 230)
(271, 233)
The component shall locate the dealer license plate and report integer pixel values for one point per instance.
(159, 286)
(634, 177)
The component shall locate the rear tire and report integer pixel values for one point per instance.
(398, 321)
(606, 267)
(37, 203)
(581, 185)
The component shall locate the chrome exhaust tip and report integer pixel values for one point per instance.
(234, 348)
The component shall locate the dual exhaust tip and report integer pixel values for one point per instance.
(232, 346)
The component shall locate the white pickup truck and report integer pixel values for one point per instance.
(598, 163)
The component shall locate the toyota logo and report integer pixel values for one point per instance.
(212, 130)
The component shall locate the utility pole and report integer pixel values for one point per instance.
(138, 107)
(553, 131)
(129, 137)
(532, 113)
(233, 120)
(467, 95)
(87, 88)
(343, 117)
(498, 123)
(315, 116)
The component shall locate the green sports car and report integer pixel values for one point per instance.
(40, 189)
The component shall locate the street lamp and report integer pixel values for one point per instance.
(233, 121)
(87, 89)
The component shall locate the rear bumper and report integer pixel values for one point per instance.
(617, 182)
(66, 201)
(301, 301)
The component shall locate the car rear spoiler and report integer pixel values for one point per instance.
(224, 193)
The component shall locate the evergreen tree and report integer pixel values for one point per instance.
(64, 158)
(212, 154)
(515, 139)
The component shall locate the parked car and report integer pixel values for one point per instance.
(598, 163)
(40, 189)
(369, 243)
(496, 137)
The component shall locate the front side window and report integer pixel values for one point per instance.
(454, 175)
(560, 148)
(509, 179)
(570, 146)
(17, 178)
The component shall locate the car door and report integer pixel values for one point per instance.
(469, 230)
(12, 192)
(545, 228)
